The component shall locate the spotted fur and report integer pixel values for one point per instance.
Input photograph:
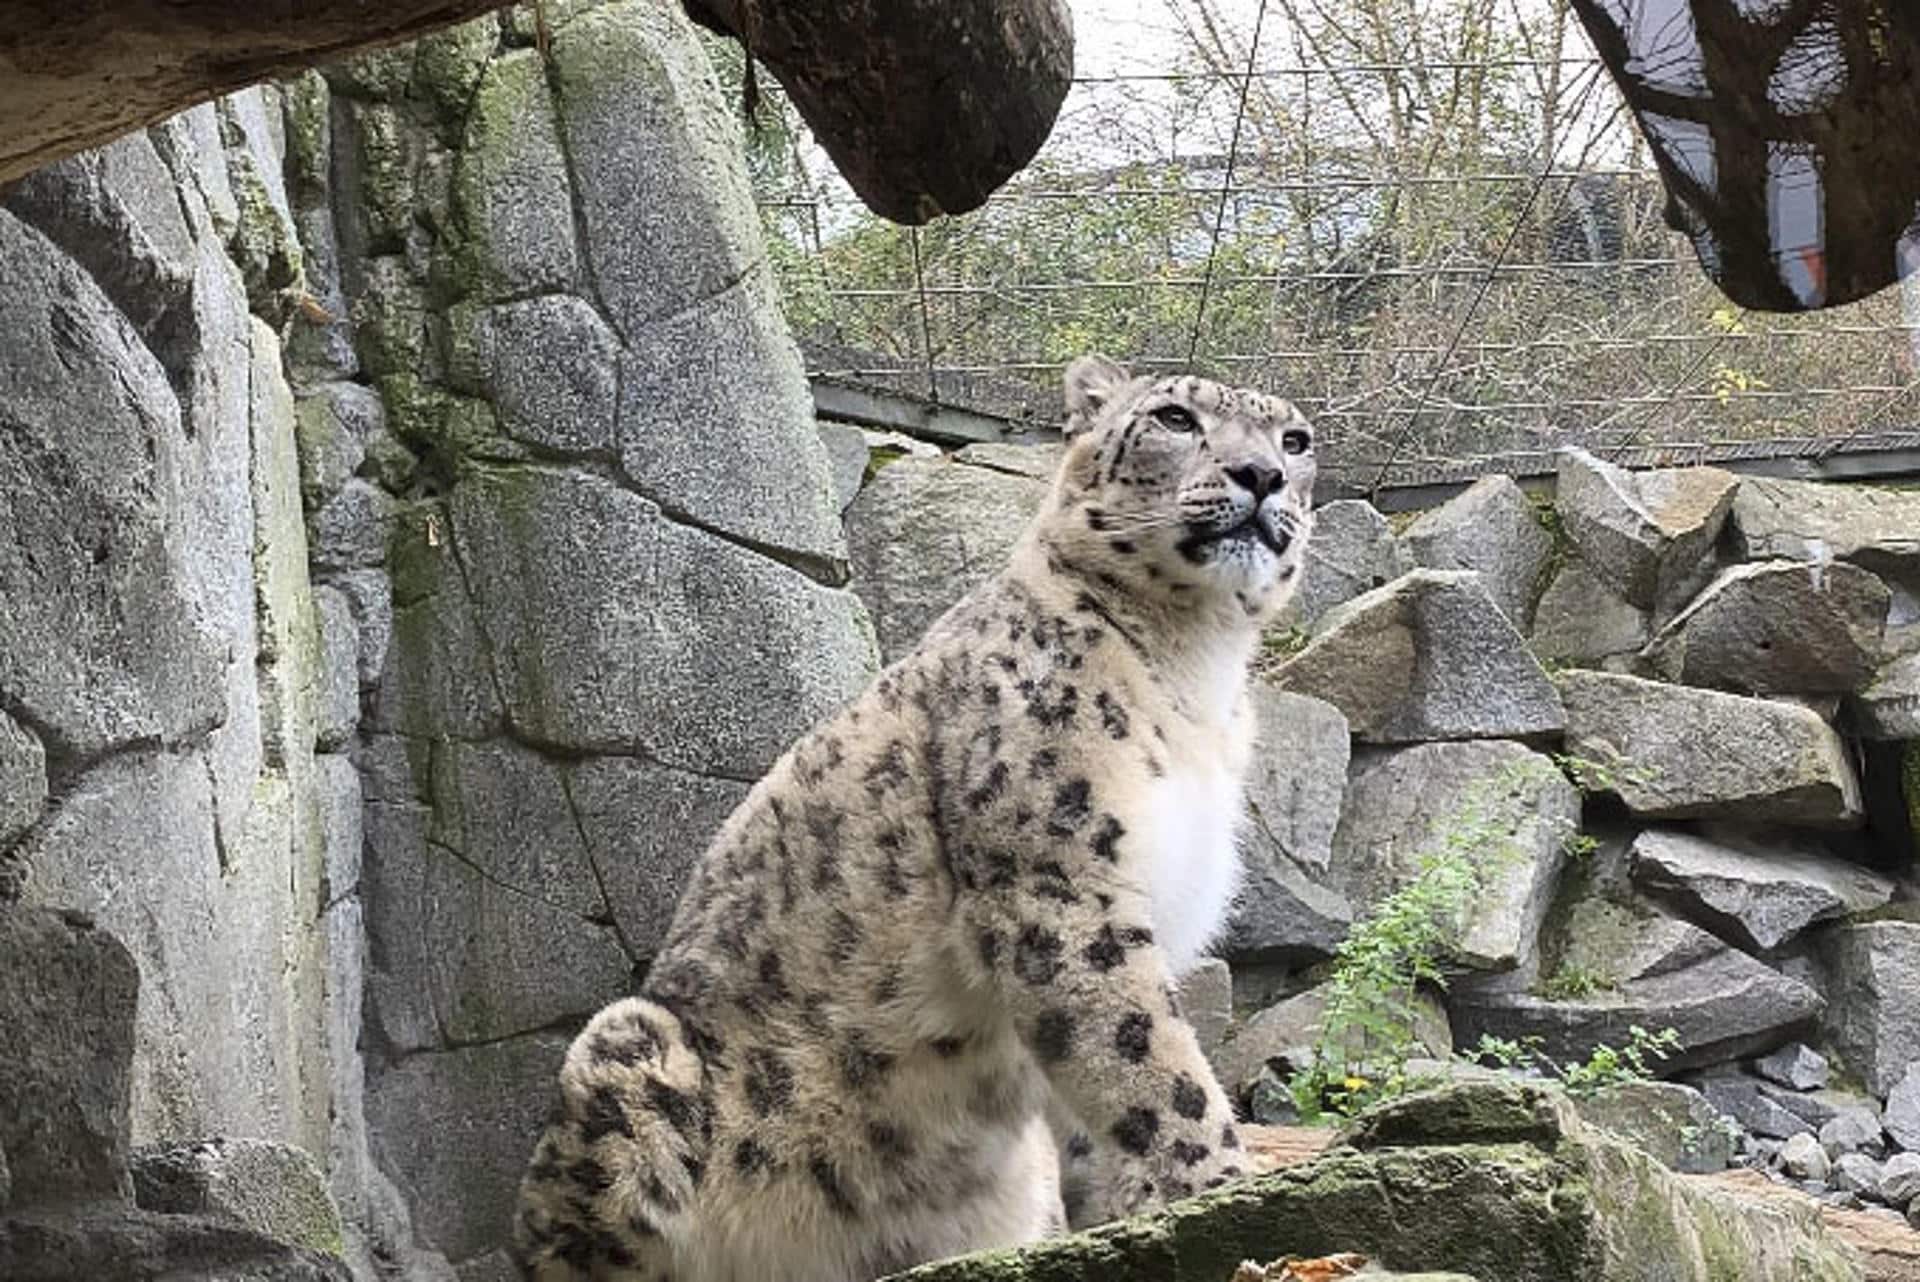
(940, 936)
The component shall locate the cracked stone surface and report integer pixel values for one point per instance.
(1489, 528)
(589, 547)
(1428, 656)
(1403, 803)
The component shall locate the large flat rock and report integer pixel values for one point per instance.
(1495, 1180)
(1778, 627)
(1671, 752)
(275, 1190)
(1637, 965)
(109, 1242)
(1810, 521)
(1428, 656)
(1507, 806)
(1757, 893)
(1583, 621)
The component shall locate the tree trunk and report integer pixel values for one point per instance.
(927, 106)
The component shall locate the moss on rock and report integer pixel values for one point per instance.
(447, 68)
(1496, 1180)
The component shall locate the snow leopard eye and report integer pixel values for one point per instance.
(1295, 441)
(1175, 418)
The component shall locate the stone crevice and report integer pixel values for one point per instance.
(599, 876)
(493, 879)
(563, 1025)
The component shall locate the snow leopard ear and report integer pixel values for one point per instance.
(1092, 381)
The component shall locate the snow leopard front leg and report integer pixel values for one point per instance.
(1092, 998)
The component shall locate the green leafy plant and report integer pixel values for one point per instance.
(1503, 1052)
(1592, 775)
(1580, 845)
(1367, 1032)
(1610, 1066)
(1277, 645)
(1694, 1139)
(1604, 1066)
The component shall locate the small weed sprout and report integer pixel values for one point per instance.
(1571, 983)
(1591, 775)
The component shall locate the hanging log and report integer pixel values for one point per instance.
(926, 105)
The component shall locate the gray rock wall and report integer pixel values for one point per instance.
(415, 539)
(575, 538)
(157, 650)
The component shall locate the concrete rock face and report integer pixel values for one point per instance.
(1428, 656)
(1670, 752)
(67, 999)
(924, 532)
(595, 567)
(160, 645)
(1489, 528)
(417, 538)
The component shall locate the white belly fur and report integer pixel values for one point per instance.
(1192, 827)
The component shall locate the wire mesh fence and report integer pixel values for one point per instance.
(1431, 223)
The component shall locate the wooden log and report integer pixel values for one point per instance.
(926, 106)
(78, 73)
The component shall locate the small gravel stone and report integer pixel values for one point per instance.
(1803, 1158)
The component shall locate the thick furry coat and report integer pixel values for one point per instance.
(958, 907)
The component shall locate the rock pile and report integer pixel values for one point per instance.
(1717, 679)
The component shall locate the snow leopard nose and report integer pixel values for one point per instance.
(1258, 479)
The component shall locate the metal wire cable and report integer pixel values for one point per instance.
(1226, 185)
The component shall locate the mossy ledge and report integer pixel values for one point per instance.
(1497, 1181)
